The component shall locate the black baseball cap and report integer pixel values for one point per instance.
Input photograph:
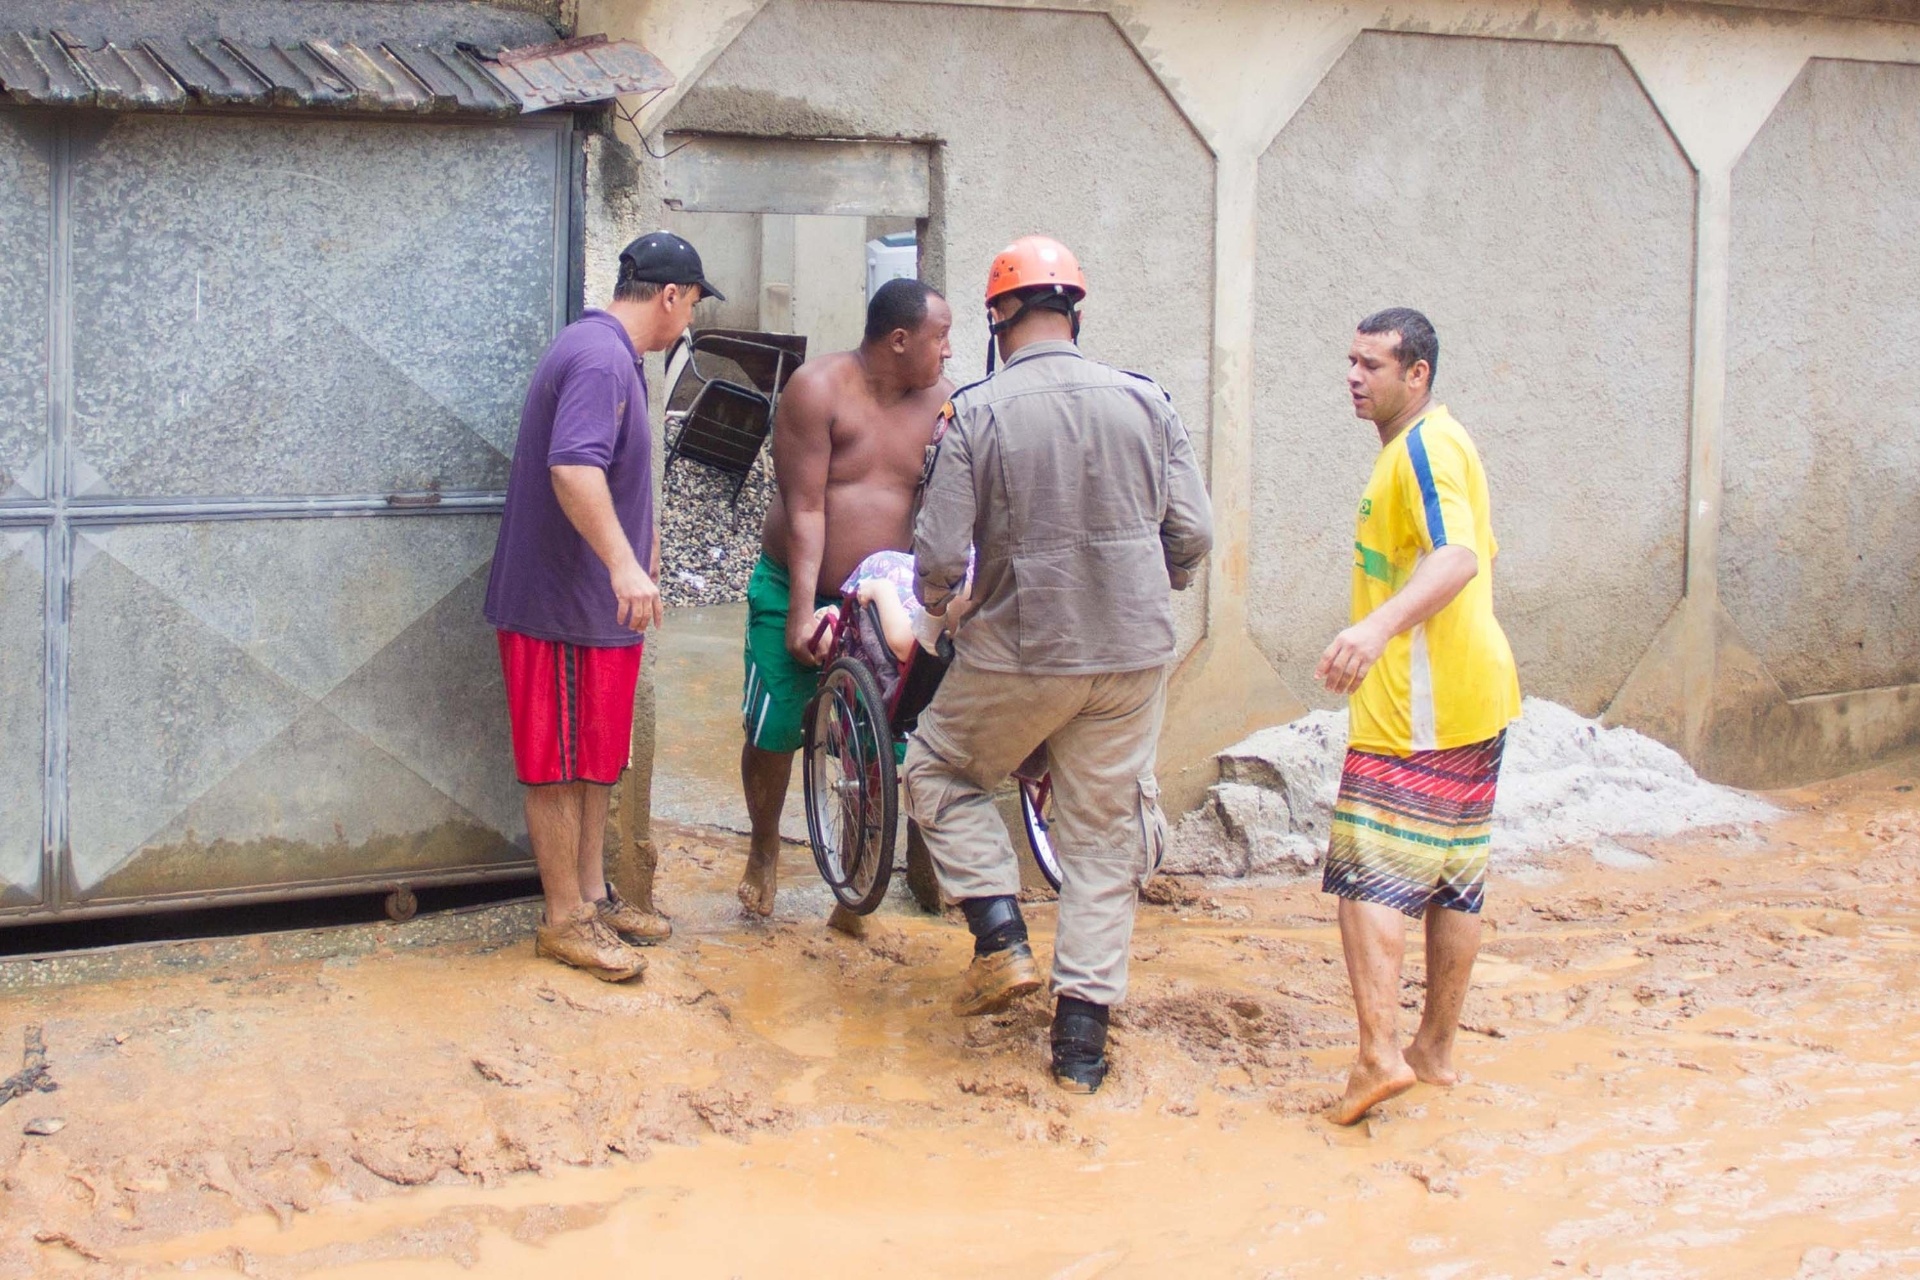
(661, 257)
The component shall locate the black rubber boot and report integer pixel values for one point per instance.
(996, 924)
(1079, 1045)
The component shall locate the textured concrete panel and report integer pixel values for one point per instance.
(1527, 198)
(22, 724)
(317, 802)
(435, 700)
(1045, 122)
(277, 590)
(306, 307)
(1819, 548)
(26, 236)
(305, 698)
(162, 708)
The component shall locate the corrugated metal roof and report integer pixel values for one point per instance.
(56, 68)
(36, 69)
(585, 69)
(488, 25)
(122, 77)
(451, 75)
(208, 70)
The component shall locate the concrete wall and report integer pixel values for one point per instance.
(1607, 211)
(817, 267)
(1526, 196)
(729, 245)
(1117, 172)
(1131, 190)
(1820, 548)
(829, 281)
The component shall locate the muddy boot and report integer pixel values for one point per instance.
(1079, 1045)
(1003, 969)
(586, 943)
(641, 928)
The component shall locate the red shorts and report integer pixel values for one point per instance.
(571, 706)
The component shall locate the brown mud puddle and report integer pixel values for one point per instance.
(1699, 1067)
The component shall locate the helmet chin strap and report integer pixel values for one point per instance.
(1043, 303)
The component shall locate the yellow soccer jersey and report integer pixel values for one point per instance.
(1449, 681)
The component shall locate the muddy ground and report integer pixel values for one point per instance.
(1699, 1065)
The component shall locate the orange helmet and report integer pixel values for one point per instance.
(1035, 260)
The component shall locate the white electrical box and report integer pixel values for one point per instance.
(892, 258)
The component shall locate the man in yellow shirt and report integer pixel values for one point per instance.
(1432, 688)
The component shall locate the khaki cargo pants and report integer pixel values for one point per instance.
(1101, 733)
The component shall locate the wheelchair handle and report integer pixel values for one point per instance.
(826, 624)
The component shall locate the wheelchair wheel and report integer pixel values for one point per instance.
(1036, 812)
(852, 802)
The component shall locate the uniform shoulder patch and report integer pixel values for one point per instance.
(1164, 394)
(941, 421)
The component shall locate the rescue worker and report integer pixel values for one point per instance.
(1077, 488)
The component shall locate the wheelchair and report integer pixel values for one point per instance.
(853, 738)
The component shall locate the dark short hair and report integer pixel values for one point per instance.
(1417, 342)
(898, 304)
(628, 288)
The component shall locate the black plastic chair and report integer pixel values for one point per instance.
(720, 410)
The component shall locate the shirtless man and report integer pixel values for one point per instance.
(848, 445)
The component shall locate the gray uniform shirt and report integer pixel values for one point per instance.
(1078, 488)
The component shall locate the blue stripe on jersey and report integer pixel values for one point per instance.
(1429, 495)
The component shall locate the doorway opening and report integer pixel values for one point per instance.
(799, 234)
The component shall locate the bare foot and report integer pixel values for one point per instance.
(847, 922)
(757, 886)
(1431, 1067)
(1367, 1087)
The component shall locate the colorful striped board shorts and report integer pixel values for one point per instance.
(1412, 832)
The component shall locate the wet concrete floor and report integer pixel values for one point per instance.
(697, 667)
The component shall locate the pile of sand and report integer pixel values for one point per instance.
(1566, 780)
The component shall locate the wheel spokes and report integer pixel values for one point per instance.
(849, 782)
(862, 799)
(829, 784)
(850, 786)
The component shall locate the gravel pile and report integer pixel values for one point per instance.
(1566, 780)
(708, 544)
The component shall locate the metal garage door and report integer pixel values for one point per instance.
(259, 383)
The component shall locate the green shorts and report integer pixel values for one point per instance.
(777, 686)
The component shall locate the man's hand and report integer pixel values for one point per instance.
(583, 496)
(1351, 655)
(1439, 578)
(800, 629)
(636, 597)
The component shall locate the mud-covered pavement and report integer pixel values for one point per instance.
(1699, 1065)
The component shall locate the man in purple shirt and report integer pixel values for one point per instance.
(571, 600)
